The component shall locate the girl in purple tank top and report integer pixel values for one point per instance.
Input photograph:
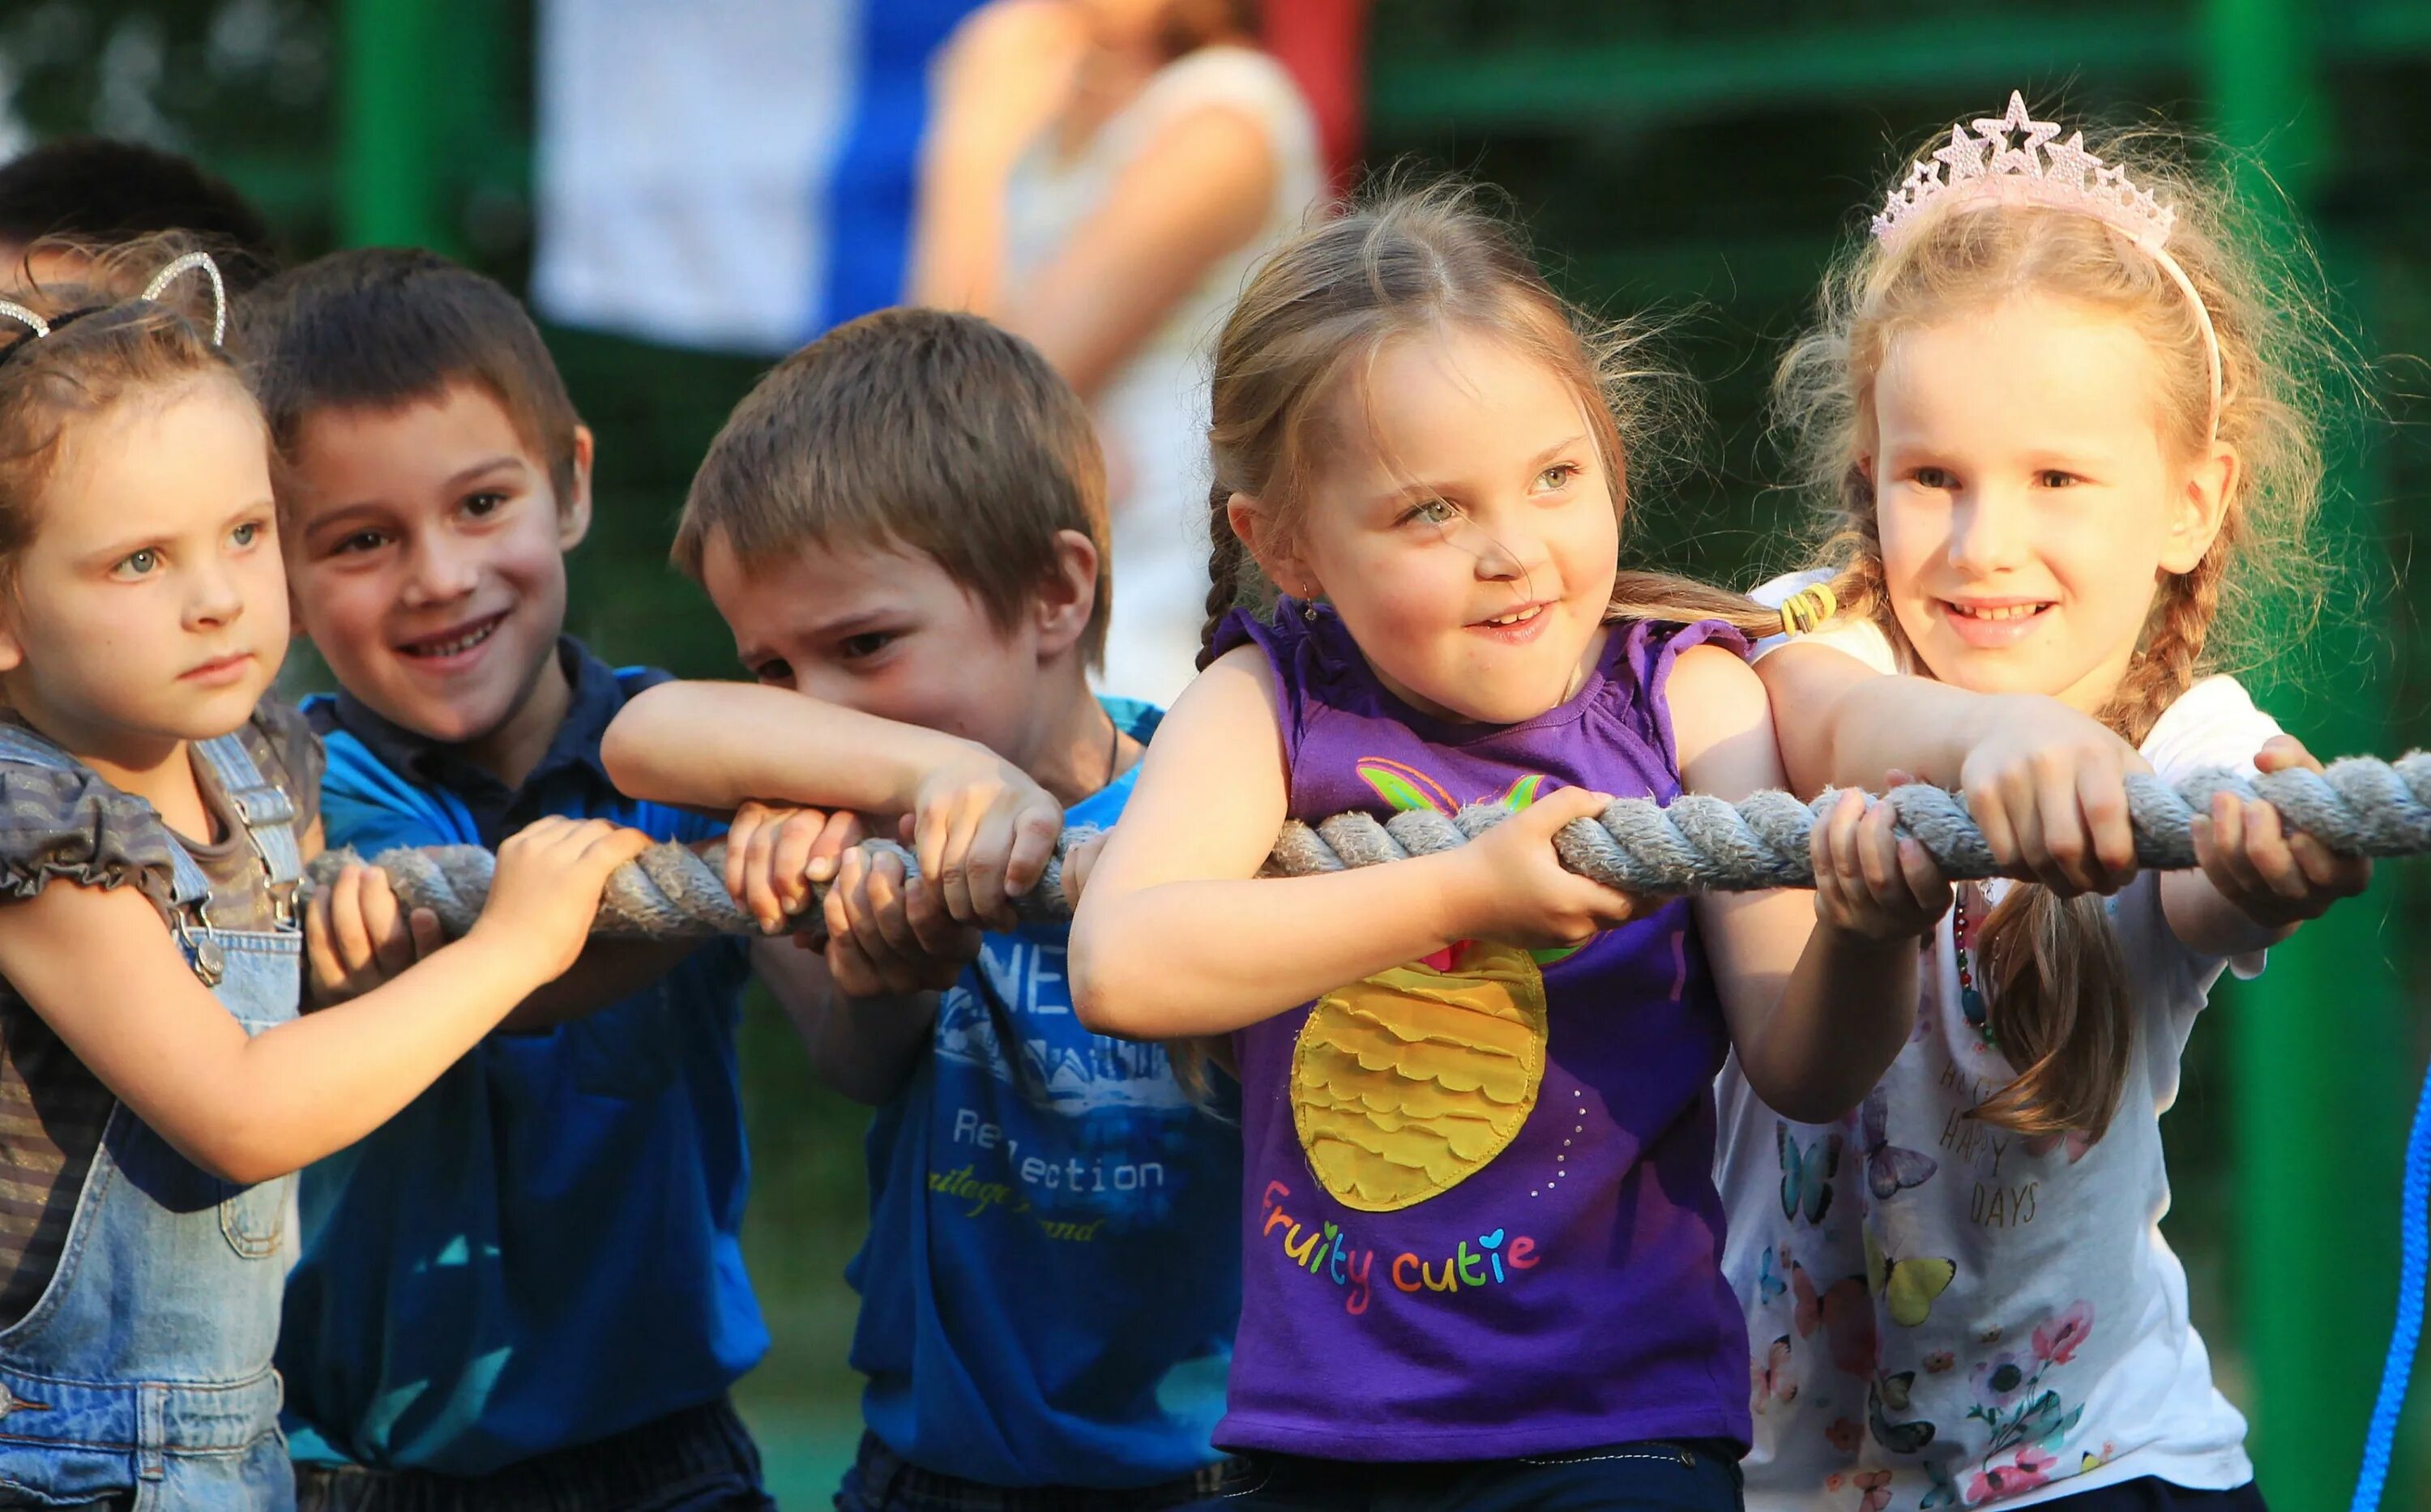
(1481, 1233)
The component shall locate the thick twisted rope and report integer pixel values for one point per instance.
(2359, 806)
(1695, 844)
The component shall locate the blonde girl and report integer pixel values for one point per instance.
(2059, 419)
(157, 1088)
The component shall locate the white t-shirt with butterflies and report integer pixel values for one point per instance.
(1944, 1313)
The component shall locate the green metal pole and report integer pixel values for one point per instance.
(391, 132)
(2319, 1047)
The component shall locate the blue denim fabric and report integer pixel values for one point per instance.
(144, 1374)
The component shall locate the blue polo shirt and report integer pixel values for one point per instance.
(542, 1248)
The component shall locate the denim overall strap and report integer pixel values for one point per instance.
(267, 811)
(144, 1369)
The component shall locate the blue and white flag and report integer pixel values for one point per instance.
(731, 175)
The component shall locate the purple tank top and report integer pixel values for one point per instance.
(1479, 1209)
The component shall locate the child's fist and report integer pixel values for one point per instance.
(982, 832)
(1867, 881)
(1520, 893)
(545, 891)
(356, 936)
(887, 936)
(774, 852)
(2274, 878)
(2048, 786)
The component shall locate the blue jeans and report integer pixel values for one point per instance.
(701, 1459)
(1652, 1475)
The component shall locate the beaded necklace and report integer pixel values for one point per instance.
(1971, 996)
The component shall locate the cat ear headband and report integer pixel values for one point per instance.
(189, 262)
(2014, 159)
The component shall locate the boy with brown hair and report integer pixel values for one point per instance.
(527, 1289)
(904, 527)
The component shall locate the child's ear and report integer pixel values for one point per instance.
(574, 510)
(2200, 508)
(1068, 596)
(1277, 555)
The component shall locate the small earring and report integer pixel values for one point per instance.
(1308, 610)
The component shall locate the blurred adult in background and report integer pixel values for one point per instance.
(94, 190)
(1099, 175)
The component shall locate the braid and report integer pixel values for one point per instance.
(2172, 652)
(1224, 554)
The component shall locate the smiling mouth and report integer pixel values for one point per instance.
(1997, 613)
(1518, 616)
(453, 642)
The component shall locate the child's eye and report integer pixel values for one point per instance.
(2054, 477)
(776, 673)
(137, 564)
(1934, 477)
(359, 541)
(866, 645)
(478, 505)
(247, 534)
(1558, 475)
(1433, 512)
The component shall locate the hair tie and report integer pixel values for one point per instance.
(1808, 610)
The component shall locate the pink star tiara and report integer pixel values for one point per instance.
(2016, 160)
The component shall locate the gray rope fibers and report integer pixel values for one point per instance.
(2361, 806)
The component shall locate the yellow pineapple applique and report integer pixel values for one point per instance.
(1407, 1083)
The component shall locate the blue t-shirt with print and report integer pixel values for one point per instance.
(542, 1248)
(1052, 1271)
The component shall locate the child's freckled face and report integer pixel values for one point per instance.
(2026, 498)
(425, 550)
(883, 630)
(1471, 546)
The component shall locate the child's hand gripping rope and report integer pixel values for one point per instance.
(2359, 807)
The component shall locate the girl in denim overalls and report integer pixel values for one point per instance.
(156, 1090)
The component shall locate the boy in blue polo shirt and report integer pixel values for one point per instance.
(527, 1289)
(904, 527)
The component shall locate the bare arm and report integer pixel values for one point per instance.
(714, 746)
(1177, 935)
(608, 971)
(1162, 946)
(1816, 1013)
(252, 1108)
(860, 1048)
(2046, 783)
(997, 83)
(1200, 188)
(357, 936)
(2258, 881)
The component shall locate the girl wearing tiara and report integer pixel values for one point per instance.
(2060, 429)
(1481, 1238)
(156, 1089)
